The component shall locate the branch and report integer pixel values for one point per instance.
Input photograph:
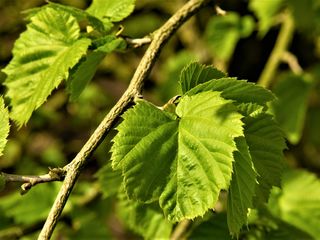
(292, 62)
(180, 229)
(159, 38)
(55, 174)
(283, 40)
(138, 42)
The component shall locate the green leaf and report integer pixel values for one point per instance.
(144, 219)
(82, 74)
(240, 91)
(242, 187)
(171, 71)
(110, 9)
(223, 32)
(188, 157)
(266, 144)
(4, 125)
(110, 43)
(195, 74)
(43, 55)
(81, 15)
(266, 12)
(290, 108)
(109, 180)
(215, 228)
(299, 201)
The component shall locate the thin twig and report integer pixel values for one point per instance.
(283, 40)
(138, 42)
(180, 230)
(160, 37)
(292, 62)
(55, 174)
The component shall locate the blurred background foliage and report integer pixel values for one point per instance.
(238, 43)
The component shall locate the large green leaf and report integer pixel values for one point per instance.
(195, 73)
(291, 105)
(223, 33)
(110, 9)
(266, 144)
(183, 160)
(144, 219)
(42, 57)
(298, 203)
(240, 91)
(4, 125)
(242, 187)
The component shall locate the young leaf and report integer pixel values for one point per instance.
(242, 187)
(42, 58)
(110, 9)
(195, 73)
(291, 106)
(4, 125)
(299, 201)
(266, 145)
(240, 91)
(183, 161)
(144, 219)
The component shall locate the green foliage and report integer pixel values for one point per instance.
(214, 228)
(266, 144)
(186, 162)
(224, 32)
(193, 151)
(266, 12)
(32, 207)
(242, 187)
(42, 58)
(4, 125)
(299, 202)
(144, 219)
(291, 106)
(109, 180)
(115, 11)
(2, 182)
(309, 22)
(215, 155)
(195, 74)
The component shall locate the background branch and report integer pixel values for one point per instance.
(160, 37)
(283, 40)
